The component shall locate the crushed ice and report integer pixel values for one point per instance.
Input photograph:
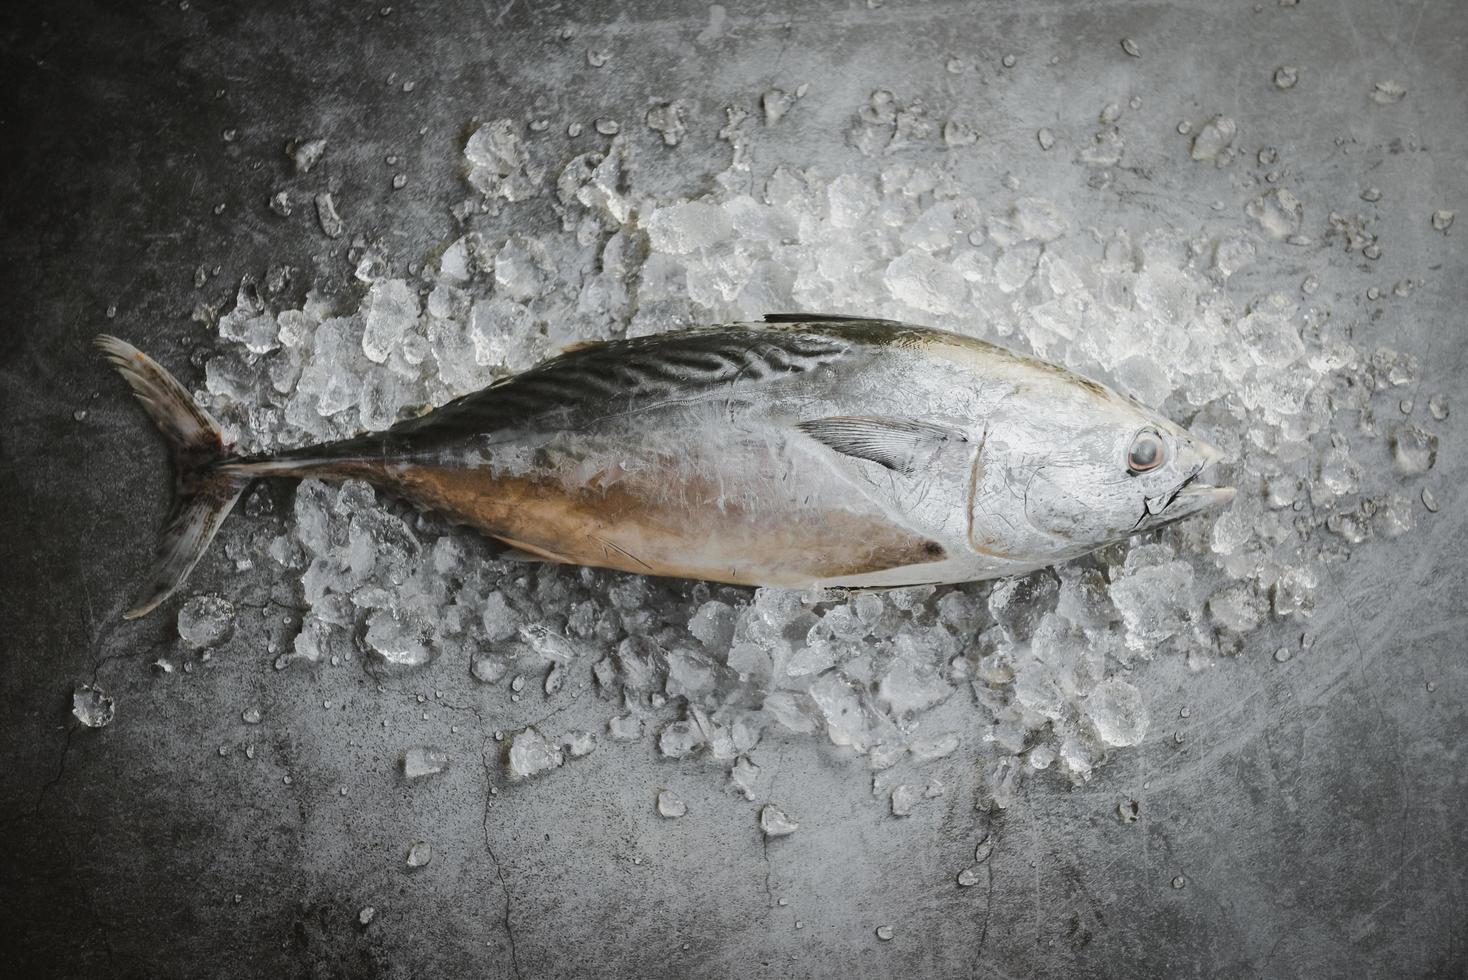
(709, 671)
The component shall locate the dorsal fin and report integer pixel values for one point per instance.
(819, 318)
(901, 445)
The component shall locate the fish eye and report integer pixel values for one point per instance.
(1147, 453)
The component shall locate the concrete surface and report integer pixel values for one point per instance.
(1315, 810)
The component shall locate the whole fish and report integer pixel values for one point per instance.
(806, 451)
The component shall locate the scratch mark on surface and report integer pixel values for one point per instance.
(498, 867)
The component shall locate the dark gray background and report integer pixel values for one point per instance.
(1316, 808)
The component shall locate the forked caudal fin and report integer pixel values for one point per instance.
(203, 495)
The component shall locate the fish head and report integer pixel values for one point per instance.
(1096, 467)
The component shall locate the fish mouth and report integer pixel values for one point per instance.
(1184, 500)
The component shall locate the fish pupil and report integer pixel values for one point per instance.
(1145, 454)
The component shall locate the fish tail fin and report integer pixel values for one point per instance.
(204, 492)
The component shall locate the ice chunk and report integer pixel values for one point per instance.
(1279, 212)
(744, 775)
(397, 640)
(205, 621)
(391, 311)
(1214, 140)
(326, 214)
(683, 228)
(305, 153)
(1155, 602)
(680, 738)
(424, 760)
(578, 744)
(499, 163)
(531, 754)
(774, 822)
(926, 283)
(92, 706)
(1235, 607)
(419, 854)
(1388, 92)
(1414, 451)
(670, 806)
(1018, 604)
(1116, 710)
(667, 119)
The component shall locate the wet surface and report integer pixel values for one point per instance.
(1282, 817)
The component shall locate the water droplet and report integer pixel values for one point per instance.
(1373, 294)
(1431, 686)
(608, 127)
(597, 57)
(1045, 138)
(1429, 500)
(517, 683)
(1443, 220)
(955, 66)
(968, 877)
(1371, 194)
(1179, 882)
(1406, 405)
(364, 917)
(250, 716)
(229, 135)
(1009, 61)
(1282, 654)
(885, 933)
(399, 181)
(1437, 406)
(1286, 77)
(1372, 251)
(1130, 47)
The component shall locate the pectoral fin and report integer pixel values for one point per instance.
(901, 445)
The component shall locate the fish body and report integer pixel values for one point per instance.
(801, 452)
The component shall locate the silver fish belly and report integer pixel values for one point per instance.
(820, 451)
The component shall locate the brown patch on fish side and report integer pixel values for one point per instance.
(645, 530)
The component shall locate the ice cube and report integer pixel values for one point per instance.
(531, 754)
(424, 760)
(774, 822)
(92, 706)
(391, 311)
(683, 228)
(205, 621)
(1117, 712)
(670, 806)
(1214, 139)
